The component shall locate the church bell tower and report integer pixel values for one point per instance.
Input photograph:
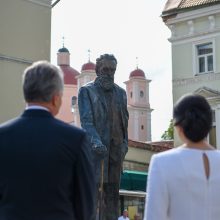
(139, 124)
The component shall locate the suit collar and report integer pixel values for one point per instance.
(36, 113)
(36, 107)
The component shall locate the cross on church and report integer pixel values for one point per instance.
(63, 38)
(89, 51)
(137, 62)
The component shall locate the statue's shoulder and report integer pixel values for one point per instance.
(117, 87)
(88, 86)
(88, 89)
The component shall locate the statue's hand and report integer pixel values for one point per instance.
(99, 149)
(124, 150)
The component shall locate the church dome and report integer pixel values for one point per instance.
(88, 66)
(137, 73)
(69, 74)
(63, 50)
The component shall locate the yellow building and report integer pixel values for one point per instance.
(25, 37)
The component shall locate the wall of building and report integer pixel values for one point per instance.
(137, 159)
(188, 30)
(182, 61)
(65, 112)
(25, 38)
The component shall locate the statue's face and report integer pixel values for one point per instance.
(106, 73)
(107, 68)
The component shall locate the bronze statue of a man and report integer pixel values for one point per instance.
(104, 115)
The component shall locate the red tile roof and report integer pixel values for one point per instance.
(88, 66)
(171, 4)
(158, 146)
(137, 73)
(172, 7)
(69, 74)
(193, 3)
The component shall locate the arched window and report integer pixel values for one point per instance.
(141, 94)
(74, 99)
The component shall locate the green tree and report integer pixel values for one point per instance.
(168, 134)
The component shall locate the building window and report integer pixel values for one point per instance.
(213, 117)
(212, 136)
(142, 127)
(212, 133)
(131, 94)
(204, 54)
(141, 94)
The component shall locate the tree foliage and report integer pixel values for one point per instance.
(168, 134)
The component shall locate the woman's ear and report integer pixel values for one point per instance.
(179, 131)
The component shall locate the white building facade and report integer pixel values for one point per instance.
(195, 41)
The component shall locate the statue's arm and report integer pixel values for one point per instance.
(85, 103)
(126, 117)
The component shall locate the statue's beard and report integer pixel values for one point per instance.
(105, 82)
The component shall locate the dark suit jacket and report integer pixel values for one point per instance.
(93, 116)
(45, 170)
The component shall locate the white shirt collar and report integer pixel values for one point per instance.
(39, 107)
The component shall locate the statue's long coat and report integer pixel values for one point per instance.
(94, 119)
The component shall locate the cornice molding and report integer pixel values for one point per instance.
(140, 108)
(194, 37)
(15, 59)
(86, 73)
(137, 79)
(193, 14)
(196, 79)
(46, 3)
(212, 96)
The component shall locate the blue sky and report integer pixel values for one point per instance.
(127, 29)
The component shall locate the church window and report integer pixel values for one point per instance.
(141, 94)
(204, 53)
(74, 99)
(131, 94)
(142, 127)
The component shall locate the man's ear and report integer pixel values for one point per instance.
(56, 102)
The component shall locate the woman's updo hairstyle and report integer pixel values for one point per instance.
(194, 115)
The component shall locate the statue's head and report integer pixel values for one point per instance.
(105, 70)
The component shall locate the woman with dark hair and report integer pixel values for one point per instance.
(184, 183)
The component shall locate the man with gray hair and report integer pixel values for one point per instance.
(45, 164)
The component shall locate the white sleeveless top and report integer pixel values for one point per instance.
(178, 189)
